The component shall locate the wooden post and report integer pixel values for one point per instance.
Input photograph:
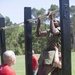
(65, 37)
(2, 38)
(28, 40)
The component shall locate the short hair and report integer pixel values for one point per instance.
(32, 51)
(7, 55)
(56, 19)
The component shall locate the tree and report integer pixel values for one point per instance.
(7, 21)
(36, 12)
(52, 8)
(72, 10)
(73, 30)
(1, 15)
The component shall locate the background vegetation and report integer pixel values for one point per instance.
(19, 67)
(15, 36)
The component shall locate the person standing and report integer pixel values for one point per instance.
(34, 63)
(9, 59)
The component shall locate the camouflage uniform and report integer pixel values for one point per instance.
(47, 55)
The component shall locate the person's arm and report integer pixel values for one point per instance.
(39, 32)
(53, 29)
(57, 60)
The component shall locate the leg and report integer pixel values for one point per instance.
(41, 64)
(40, 70)
(47, 69)
(56, 71)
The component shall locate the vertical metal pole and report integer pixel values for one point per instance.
(2, 38)
(28, 40)
(65, 37)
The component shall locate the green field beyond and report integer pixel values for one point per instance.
(19, 67)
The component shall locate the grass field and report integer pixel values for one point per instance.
(73, 63)
(19, 67)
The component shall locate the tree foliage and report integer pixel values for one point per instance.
(15, 37)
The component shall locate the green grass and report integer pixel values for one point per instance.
(19, 67)
(73, 63)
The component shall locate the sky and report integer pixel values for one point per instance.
(14, 9)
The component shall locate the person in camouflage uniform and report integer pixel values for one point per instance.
(47, 55)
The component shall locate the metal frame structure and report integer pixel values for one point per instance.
(28, 40)
(65, 38)
(2, 38)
